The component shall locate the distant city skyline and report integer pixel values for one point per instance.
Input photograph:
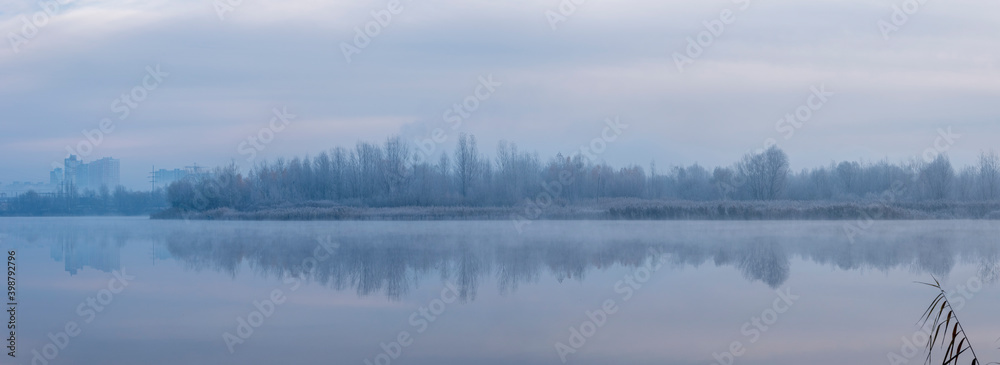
(93, 175)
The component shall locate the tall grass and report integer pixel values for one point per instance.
(953, 340)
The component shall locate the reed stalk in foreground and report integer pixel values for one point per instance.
(954, 334)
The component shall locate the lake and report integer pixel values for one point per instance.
(137, 291)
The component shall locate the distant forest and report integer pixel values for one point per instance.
(379, 181)
(391, 175)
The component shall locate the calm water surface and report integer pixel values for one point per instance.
(483, 293)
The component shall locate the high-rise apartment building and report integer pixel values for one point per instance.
(93, 175)
(56, 177)
(104, 172)
(164, 177)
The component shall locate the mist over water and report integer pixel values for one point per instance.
(690, 286)
(451, 182)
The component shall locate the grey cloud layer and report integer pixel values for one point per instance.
(606, 59)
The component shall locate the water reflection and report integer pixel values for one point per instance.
(386, 258)
(757, 261)
(79, 249)
(392, 265)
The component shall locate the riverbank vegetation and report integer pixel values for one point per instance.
(71, 202)
(393, 181)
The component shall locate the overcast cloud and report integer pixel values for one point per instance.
(608, 58)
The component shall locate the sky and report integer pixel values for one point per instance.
(177, 83)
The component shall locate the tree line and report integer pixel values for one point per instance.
(70, 201)
(389, 174)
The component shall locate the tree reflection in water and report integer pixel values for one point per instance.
(390, 258)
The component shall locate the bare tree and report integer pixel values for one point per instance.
(340, 166)
(989, 175)
(507, 171)
(936, 177)
(965, 184)
(692, 183)
(849, 174)
(323, 176)
(444, 173)
(388, 174)
(395, 171)
(723, 178)
(766, 173)
(467, 163)
(368, 159)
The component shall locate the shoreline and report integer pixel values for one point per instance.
(618, 210)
